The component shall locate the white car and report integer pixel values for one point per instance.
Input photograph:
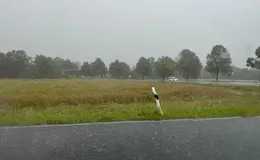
(173, 79)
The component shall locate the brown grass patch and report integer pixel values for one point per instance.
(103, 92)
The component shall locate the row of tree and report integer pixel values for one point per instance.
(17, 64)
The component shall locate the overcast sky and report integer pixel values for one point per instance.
(82, 30)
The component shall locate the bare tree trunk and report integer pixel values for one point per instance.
(186, 76)
(217, 73)
(217, 76)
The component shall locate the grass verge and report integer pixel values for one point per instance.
(36, 102)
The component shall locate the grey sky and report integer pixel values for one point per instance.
(127, 29)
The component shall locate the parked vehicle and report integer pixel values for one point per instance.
(173, 79)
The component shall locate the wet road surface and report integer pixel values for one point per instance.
(209, 139)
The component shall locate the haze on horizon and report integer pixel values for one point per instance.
(126, 30)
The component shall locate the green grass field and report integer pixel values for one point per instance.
(33, 102)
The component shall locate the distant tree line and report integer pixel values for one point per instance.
(17, 64)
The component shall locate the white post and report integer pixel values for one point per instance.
(157, 100)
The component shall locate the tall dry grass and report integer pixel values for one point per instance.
(73, 92)
(25, 102)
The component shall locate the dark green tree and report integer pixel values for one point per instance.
(254, 62)
(86, 69)
(99, 68)
(68, 64)
(45, 67)
(165, 67)
(152, 67)
(16, 62)
(65, 64)
(143, 67)
(119, 69)
(219, 62)
(60, 62)
(3, 66)
(188, 64)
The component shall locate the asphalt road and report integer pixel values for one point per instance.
(211, 139)
(232, 83)
(235, 82)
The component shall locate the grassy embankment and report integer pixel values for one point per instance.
(28, 102)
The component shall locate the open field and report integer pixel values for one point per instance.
(28, 102)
